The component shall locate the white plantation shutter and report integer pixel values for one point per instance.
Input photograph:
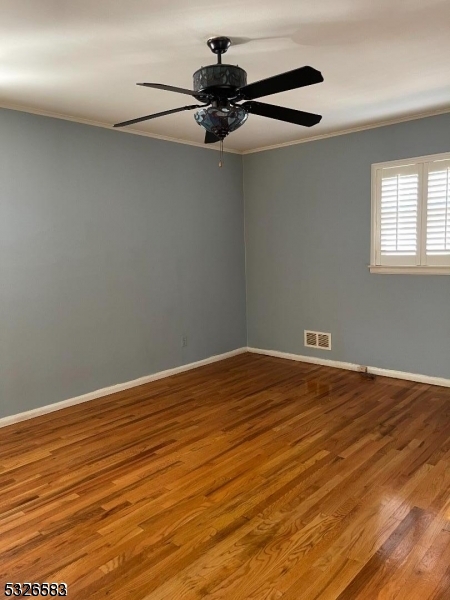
(438, 213)
(411, 216)
(398, 215)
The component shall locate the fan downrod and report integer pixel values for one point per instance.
(219, 45)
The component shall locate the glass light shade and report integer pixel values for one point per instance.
(221, 120)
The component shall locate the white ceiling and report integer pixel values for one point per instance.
(381, 59)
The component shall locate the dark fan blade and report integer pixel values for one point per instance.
(210, 138)
(171, 88)
(281, 83)
(282, 114)
(160, 114)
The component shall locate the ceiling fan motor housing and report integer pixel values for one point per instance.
(221, 81)
(221, 87)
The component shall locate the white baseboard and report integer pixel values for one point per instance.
(441, 381)
(30, 414)
(36, 412)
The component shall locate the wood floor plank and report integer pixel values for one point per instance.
(255, 478)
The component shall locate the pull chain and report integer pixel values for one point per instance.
(221, 154)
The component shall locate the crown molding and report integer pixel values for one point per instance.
(323, 136)
(52, 115)
(375, 125)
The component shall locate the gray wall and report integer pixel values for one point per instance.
(307, 212)
(112, 246)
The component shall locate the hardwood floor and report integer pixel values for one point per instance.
(252, 478)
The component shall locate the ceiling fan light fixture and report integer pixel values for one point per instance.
(221, 120)
(222, 87)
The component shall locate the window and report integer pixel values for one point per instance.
(411, 216)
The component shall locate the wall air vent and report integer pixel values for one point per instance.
(318, 339)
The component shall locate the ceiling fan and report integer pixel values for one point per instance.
(228, 100)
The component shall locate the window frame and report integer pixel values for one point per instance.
(421, 267)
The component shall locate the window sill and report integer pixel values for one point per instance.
(413, 270)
